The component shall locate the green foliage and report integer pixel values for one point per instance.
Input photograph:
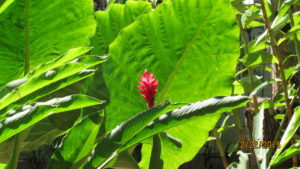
(123, 133)
(288, 134)
(20, 118)
(112, 21)
(78, 143)
(191, 46)
(34, 32)
(166, 42)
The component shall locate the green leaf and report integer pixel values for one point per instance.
(288, 134)
(5, 4)
(258, 58)
(41, 133)
(109, 25)
(59, 74)
(242, 85)
(21, 118)
(258, 135)
(124, 132)
(34, 32)
(176, 123)
(179, 44)
(285, 7)
(257, 45)
(68, 56)
(112, 21)
(250, 16)
(78, 143)
(263, 85)
(2, 166)
(293, 150)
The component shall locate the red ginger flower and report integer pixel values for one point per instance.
(148, 87)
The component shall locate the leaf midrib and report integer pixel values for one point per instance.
(173, 74)
(26, 38)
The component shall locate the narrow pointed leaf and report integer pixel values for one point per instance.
(288, 134)
(293, 150)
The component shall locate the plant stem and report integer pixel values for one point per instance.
(250, 73)
(281, 67)
(280, 60)
(13, 164)
(220, 148)
(238, 123)
(155, 160)
(296, 41)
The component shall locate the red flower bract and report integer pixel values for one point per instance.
(148, 87)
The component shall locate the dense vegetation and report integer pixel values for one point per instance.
(157, 75)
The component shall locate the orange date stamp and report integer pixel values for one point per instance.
(251, 144)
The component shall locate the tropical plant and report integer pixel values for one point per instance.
(158, 75)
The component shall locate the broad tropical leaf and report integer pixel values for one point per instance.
(34, 32)
(21, 118)
(57, 78)
(180, 43)
(112, 21)
(109, 25)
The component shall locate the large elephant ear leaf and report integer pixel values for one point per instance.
(34, 32)
(112, 21)
(181, 44)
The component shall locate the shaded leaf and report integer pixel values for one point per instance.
(78, 143)
(293, 150)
